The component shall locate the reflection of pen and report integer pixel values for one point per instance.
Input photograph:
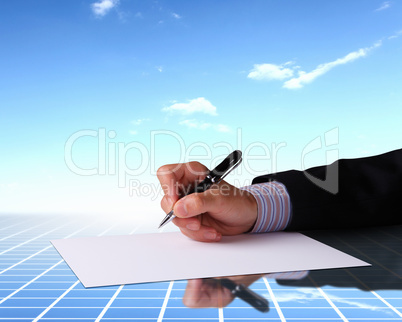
(214, 177)
(247, 295)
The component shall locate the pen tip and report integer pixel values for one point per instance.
(164, 222)
(169, 217)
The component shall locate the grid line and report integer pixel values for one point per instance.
(35, 284)
(55, 302)
(32, 239)
(165, 302)
(21, 232)
(332, 304)
(42, 250)
(274, 300)
(100, 316)
(386, 303)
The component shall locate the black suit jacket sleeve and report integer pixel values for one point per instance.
(369, 193)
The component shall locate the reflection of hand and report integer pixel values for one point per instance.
(203, 293)
(206, 216)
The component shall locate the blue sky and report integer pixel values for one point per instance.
(169, 81)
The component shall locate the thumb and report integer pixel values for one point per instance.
(212, 200)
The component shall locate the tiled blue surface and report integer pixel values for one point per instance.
(35, 285)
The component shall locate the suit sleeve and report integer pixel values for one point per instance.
(366, 192)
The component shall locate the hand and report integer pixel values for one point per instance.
(221, 210)
(202, 293)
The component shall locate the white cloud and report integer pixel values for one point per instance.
(385, 5)
(306, 295)
(222, 128)
(270, 72)
(139, 121)
(197, 105)
(194, 124)
(306, 78)
(102, 7)
(159, 69)
(396, 35)
(176, 15)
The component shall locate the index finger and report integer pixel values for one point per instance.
(175, 178)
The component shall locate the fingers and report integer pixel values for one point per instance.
(198, 203)
(229, 210)
(177, 177)
(192, 228)
(188, 223)
(193, 293)
(202, 293)
(166, 204)
(205, 234)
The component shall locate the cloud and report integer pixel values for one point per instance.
(306, 78)
(176, 15)
(197, 105)
(270, 72)
(305, 295)
(396, 35)
(385, 5)
(102, 7)
(194, 124)
(221, 128)
(139, 121)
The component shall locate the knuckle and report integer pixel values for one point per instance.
(197, 203)
(189, 301)
(163, 170)
(196, 168)
(165, 204)
(194, 163)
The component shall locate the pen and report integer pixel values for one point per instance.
(214, 177)
(243, 292)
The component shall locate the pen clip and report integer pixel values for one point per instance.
(227, 165)
(234, 166)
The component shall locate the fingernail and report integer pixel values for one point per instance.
(210, 235)
(193, 226)
(181, 210)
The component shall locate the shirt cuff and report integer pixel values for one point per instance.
(274, 206)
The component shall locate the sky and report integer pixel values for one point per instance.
(95, 95)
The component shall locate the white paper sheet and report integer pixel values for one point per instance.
(116, 260)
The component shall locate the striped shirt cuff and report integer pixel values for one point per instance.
(274, 206)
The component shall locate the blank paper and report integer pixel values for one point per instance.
(116, 260)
